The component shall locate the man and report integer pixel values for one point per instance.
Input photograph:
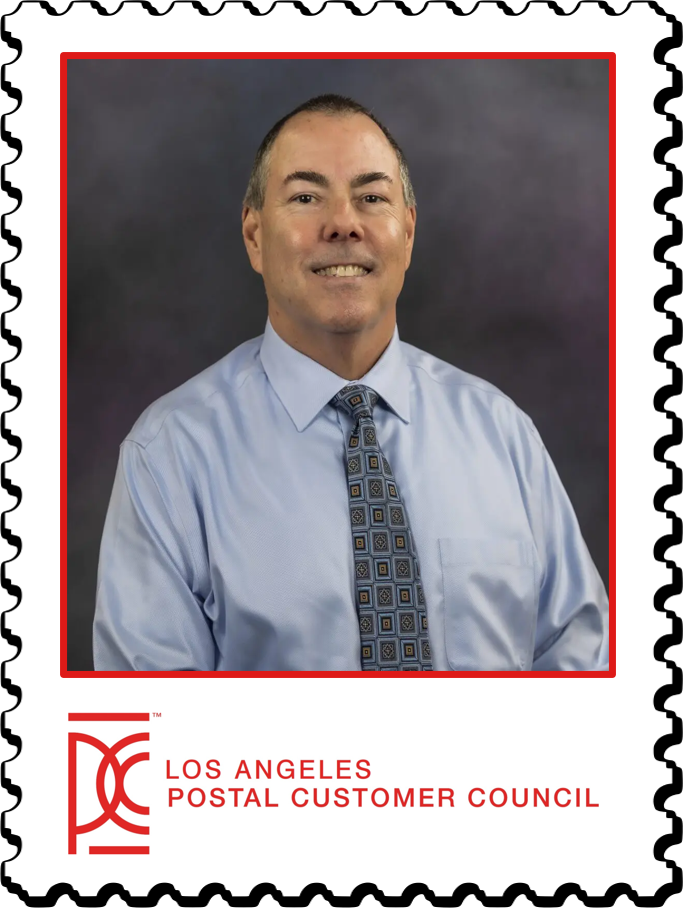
(326, 497)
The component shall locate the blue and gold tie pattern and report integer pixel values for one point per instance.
(389, 596)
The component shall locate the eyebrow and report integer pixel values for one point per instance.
(312, 176)
(374, 176)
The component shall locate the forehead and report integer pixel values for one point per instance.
(331, 144)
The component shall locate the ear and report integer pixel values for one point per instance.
(251, 232)
(411, 216)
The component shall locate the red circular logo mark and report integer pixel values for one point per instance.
(120, 796)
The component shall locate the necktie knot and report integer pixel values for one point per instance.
(356, 400)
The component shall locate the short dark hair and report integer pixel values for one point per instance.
(327, 104)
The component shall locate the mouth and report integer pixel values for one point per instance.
(338, 271)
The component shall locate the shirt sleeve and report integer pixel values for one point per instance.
(148, 617)
(572, 625)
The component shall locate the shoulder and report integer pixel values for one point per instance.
(465, 395)
(193, 402)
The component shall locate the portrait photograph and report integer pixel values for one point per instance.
(482, 543)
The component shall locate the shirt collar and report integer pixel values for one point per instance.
(304, 386)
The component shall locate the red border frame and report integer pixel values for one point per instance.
(634, 276)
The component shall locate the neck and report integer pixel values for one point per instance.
(349, 355)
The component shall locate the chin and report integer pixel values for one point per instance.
(350, 319)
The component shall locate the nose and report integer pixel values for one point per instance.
(342, 222)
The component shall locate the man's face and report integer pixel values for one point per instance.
(334, 237)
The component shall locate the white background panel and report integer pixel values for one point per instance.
(601, 744)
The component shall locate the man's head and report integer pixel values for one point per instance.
(330, 187)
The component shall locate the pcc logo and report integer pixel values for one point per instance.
(93, 788)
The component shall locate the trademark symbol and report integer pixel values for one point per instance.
(157, 715)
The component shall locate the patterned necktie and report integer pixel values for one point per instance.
(389, 595)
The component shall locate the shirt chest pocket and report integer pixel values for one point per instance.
(490, 599)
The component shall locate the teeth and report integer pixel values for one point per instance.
(343, 271)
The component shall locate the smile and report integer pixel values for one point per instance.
(342, 271)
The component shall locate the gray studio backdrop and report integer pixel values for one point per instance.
(509, 279)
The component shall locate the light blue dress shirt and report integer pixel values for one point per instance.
(227, 545)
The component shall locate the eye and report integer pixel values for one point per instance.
(372, 198)
(304, 197)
